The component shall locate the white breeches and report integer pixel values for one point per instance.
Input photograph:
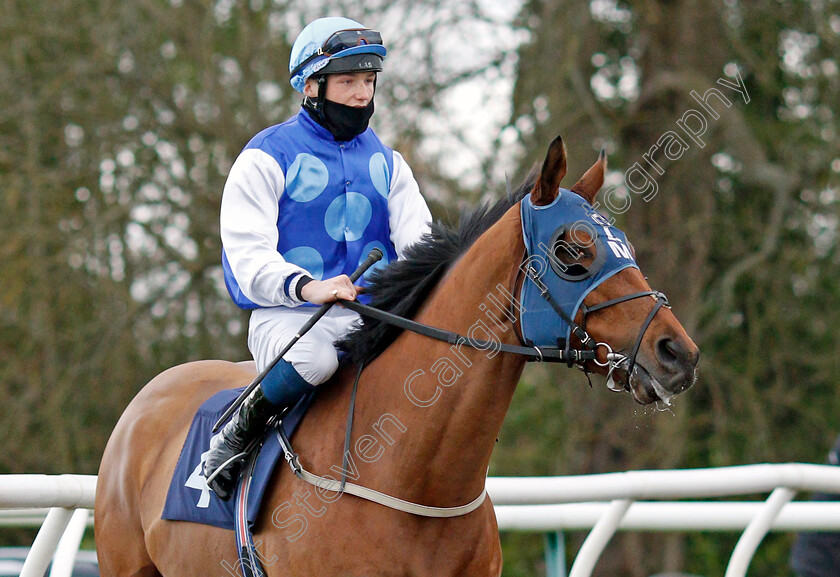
(314, 356)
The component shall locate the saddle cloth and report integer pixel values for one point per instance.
(189, 498)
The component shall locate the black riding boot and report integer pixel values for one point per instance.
(221, 466)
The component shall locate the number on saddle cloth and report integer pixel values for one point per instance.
(190, 499)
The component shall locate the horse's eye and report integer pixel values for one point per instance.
(573, 254)
(570, 254)
(567, 253)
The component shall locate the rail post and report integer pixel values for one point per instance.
(555, 554)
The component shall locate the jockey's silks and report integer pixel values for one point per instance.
(334, 208)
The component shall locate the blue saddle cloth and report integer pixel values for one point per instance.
(189, 498)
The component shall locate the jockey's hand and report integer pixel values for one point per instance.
(325, 291)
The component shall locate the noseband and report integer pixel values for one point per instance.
(618, 359)
(614, 360)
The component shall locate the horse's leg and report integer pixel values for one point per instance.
(126, 559)
(183, 549)
(120, 539)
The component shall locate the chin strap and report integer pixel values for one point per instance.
(316, 106)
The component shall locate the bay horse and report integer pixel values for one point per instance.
(427, 412)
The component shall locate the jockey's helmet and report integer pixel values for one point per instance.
(333, 45)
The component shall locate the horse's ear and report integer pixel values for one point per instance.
(553, 171)
(591, 182)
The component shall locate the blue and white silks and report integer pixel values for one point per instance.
(298, 202)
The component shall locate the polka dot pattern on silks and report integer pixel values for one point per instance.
(379, 175)
(306, 178)
(348, 216)
(308, 259)
(333, 204)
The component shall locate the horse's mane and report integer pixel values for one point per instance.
(404, 285)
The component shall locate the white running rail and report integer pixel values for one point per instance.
(624, 491)
(633, 500)
(69, 499)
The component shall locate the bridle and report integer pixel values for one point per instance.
(563, 353)
(571, 357)
(614, 360)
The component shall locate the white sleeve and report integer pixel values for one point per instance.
(249, 230)
(408, 215)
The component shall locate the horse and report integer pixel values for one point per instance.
(427, 412)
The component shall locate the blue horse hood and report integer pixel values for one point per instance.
(541, 228)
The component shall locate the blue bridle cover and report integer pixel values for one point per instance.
(541, 325)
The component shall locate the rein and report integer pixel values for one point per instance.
(539, 354)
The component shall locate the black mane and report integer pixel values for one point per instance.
(402, 286)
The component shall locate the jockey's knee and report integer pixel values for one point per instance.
(319, 366)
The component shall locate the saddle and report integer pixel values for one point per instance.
(190, 499)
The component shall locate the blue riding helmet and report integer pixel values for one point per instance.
(331, 45)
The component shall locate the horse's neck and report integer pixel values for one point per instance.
(452, 400)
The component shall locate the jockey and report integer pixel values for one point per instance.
(303, 205)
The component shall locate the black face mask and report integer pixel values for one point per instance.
(344, 122)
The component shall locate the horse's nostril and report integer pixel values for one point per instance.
(675, 354)
(668, 351)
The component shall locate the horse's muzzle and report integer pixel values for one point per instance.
(671, 371)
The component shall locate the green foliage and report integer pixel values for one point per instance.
(522, 554)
